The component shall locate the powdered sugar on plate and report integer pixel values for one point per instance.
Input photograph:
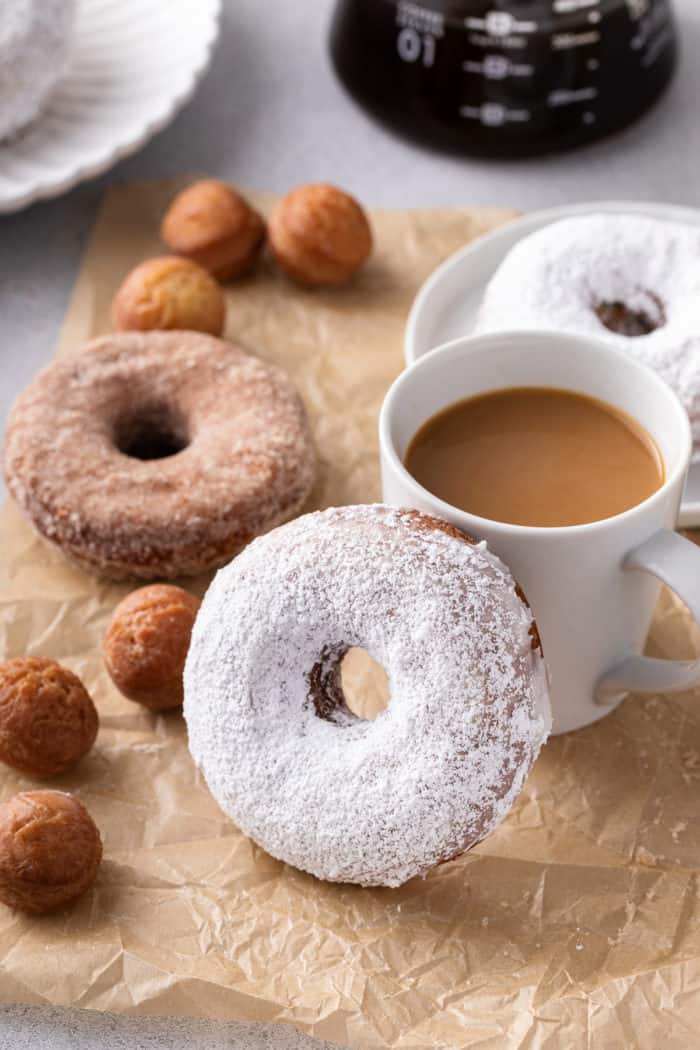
(371, 802)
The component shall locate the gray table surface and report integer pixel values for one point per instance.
(269, 114)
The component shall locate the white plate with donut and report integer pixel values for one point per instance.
(447, 305)
(132, 65)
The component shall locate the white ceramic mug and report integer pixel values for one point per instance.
(592, 587)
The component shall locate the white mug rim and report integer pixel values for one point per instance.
(474, 342)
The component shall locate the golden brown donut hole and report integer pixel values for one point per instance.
(47, 719)
(320, 235)
(169, 293)
(50, 850)
(214, 226)
(146, 643)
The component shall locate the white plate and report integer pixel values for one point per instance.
(447, 304)
(134, 64)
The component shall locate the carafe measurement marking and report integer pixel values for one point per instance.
(566, 7)
(497, 67)
(501, 23)
(494, 115)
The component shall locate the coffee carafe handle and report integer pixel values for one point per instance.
(676, 562)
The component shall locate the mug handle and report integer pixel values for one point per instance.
(676, 562)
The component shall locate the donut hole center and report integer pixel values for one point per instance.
(152, 431)
(347, 685)
(365, 684)
(643, 316)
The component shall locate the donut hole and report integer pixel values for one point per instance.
(152, 431)
(365, 684)
(641, 317)
(347, 685)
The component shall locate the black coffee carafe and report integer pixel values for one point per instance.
(510, 78)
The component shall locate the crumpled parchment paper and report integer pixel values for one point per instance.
(576, 925)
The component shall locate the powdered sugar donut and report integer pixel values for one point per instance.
(370, 802)
(35, 37)
(628, 278)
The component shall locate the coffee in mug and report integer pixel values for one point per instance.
(536, 456)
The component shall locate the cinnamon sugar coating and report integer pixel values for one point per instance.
(146, 643)
(320, 235)
(169, 293)
(47, 719)
(214, 226)
(50, 850)
(158, 454)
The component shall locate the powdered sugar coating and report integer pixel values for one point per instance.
(370, 802)
(556, 277)
(35, 37)
(248, 463)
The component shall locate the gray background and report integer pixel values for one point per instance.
(269, 114)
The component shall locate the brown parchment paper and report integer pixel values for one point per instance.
(575, 925)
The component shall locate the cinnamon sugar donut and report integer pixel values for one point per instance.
(369, 802)
(158, 454)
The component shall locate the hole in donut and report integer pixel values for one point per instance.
(347, 685)
(642, 317)
(151, 432)
(364, 683)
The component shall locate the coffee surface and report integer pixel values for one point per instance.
(536, 456)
